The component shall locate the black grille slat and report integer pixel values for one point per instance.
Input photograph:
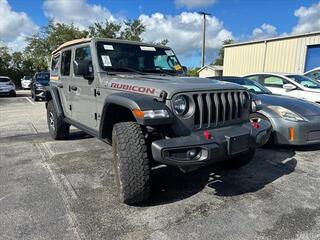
(200, 110)
(213, 109)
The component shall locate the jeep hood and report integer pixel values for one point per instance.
(154, 85)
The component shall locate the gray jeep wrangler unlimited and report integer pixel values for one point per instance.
(136, 97)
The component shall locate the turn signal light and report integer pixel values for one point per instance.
(291, 134)
(138, 113)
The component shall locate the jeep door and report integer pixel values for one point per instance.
(62, 81)
(82, 91)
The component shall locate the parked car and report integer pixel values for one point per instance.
(289, 84)
(135, 96)
(39, 82)
(7, 87)
(26, 82)
(294, 121)
(314, 74)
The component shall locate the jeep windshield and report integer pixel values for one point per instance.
(138, 59)
(42, 78)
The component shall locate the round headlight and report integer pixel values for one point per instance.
(180, 105)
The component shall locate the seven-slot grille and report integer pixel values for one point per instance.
(215, 109)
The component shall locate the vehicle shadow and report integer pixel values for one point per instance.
(78, 135)
(171, 185)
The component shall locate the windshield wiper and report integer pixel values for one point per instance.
(127, 69)
(159, 70)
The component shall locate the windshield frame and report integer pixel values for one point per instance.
(291, 77)
(129, 70)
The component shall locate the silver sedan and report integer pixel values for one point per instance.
(294, 121)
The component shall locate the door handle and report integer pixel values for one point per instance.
(74, 88)
(60, 85)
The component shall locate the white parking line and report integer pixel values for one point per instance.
(30, 101)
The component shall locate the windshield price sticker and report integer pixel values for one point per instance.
(150, 49)
(106, 61)
(108, 47)
(169, 52)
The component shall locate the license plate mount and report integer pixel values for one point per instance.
(237, 144)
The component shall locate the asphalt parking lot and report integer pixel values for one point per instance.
(65, 190)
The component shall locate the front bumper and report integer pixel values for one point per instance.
(40, 92)
(224, 143)
(305, 133)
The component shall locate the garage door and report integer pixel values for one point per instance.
(313, 57)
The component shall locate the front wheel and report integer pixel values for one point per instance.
(131, 162)
(58, 128)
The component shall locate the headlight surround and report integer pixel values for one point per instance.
(287, 114)
(180, 105)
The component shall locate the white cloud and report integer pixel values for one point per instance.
(194, 3)
(14, 27)
(309, 19)
(78, 12)
(184, 32)
(264, 31)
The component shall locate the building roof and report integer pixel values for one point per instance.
(272, 39)
(212, 67)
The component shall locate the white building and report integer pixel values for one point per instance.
(210, 71)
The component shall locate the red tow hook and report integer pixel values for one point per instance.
(255, 123)
(207, 135)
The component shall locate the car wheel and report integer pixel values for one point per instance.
(241, 159)
(58, 128)
(12, 94)
(131, 162)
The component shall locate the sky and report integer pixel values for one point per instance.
(175, 20)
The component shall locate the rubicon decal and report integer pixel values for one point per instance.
(133, 88)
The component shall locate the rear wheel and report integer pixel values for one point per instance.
(58, 128)
(12, 94)
(131, 162)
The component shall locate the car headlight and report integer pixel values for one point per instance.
(180, 105)
(287, 114)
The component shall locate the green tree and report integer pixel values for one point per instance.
(133, 30)
(105, 30)
(5, 59)
(193, 72)
(220, 58)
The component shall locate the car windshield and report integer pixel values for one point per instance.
(42, 77)
(305, 81)
(28, 78)
(124, 57)
(251, 85)
(314, 75)
(4, 80)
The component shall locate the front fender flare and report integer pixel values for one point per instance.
(52, 93)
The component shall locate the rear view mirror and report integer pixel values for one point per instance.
(82, 68)
(289, 87)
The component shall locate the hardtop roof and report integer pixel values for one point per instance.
(112, 40)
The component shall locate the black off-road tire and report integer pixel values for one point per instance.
(241, 159)
(131, 162)
(58, 128)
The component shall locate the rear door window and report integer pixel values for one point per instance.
(65, 63)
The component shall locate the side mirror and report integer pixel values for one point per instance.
(82, 68)
(289, 87)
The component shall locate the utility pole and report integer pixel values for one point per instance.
(203, 49)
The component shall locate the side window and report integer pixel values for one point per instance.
(273, 81)
(84, 54)
(65, 63)
(55, 64)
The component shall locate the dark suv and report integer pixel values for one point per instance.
(39, 82)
